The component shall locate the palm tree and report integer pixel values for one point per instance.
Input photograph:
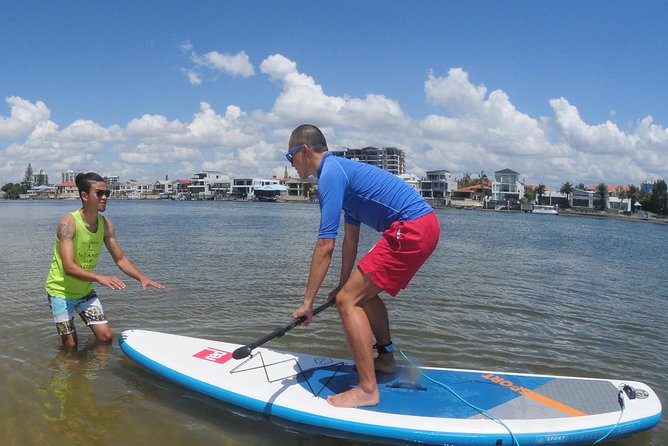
(567, 189)
(634, 194)
(27, 176)
(465, 181)
(602, 192)
(659, 198)
(540, 191)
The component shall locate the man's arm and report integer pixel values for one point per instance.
(122, 261)
(320, 261)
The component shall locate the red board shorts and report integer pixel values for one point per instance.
(400, 252)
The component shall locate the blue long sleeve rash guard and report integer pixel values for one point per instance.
(366, 194)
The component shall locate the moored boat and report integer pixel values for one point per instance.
(544, 209)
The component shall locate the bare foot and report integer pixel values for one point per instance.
(355, 397)
(384, 363)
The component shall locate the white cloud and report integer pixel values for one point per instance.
(24, 117)
(149, 126)
(470, 129)
(302, 99)
(491, 121)
(193, 77)
(455, 93)
(145, 153)
(602, 138)
(234, 64)
(215, 63)
(186, 47)
(84, 131)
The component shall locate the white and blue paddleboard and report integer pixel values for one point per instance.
(425, 405)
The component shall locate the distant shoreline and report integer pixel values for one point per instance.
(639, 219)
(562, 212)
(571, 213)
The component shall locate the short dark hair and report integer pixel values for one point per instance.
(309, 134)
(85, 180)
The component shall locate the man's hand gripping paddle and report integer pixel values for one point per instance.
(246, 350)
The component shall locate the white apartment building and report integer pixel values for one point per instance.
(131, 190)
(245, 187)
(438, 185)
(208, 183)
(412, 179)
(507, 186)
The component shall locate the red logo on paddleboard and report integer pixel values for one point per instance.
(214, 355)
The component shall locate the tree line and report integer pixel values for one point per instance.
(14, 190)
(655, 201)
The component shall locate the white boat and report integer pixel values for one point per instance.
(544, 209)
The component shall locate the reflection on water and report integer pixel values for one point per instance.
(503, 291)
(69, 402)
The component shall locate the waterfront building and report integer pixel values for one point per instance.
(205, 184)
(67, 189)
(180, 187)
(68, 176)
(438, 186)
(300, 190)
(244, 188)
(471, 196)
(591, 199)
(507, 189)
(130, 190)
(41, 191)
(112, 179)
(163, 187)
(390, 159)
(582, 198)
(393, 160)
(412, 180)
(171, 188)
(40, 179)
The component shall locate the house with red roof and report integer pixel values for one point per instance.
(67, 189)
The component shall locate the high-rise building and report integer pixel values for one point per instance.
(386, 158)
(68, 176)
(646, 187)
(40, 179)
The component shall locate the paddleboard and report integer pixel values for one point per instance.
(418, 404)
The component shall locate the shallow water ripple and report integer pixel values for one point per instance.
(503, 291)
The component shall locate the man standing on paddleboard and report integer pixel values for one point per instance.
(410, 231)
(77, 247)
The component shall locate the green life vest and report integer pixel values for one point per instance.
(87, 249)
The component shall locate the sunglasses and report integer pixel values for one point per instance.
(100, 192)
(290, 155)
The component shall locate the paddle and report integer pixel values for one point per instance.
(246, 350)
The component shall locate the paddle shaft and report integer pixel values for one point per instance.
(246, 350)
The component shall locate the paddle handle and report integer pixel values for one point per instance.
(246, 350)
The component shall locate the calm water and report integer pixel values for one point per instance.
(507, 292)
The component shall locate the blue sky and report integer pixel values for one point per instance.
(557, 91)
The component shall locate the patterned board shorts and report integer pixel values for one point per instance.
(88, 307)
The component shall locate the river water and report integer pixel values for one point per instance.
(503, 291)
